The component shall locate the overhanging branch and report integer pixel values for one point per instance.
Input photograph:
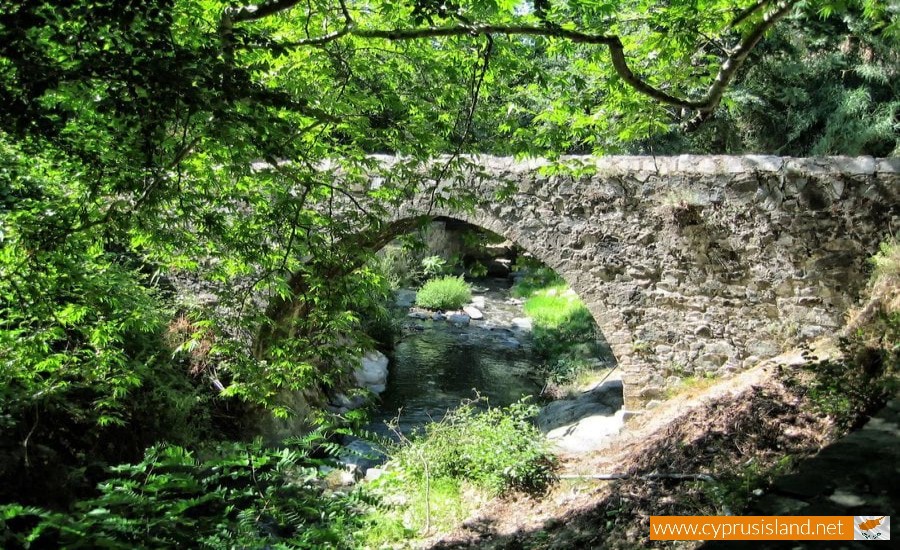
(708, 102)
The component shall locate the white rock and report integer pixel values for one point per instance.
(374, 473)
(522, 322)
(372, 371)
(478, 301)
(587, 434)
(473, 312)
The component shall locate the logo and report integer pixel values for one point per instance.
(871, 527)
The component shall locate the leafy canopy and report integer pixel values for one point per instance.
(152, 146)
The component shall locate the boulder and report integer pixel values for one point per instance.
(372, 371)
(583, 424)
(523, 323)
(473, 312)
(587, 434)
(459, 319)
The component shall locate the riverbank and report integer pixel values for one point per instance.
(711, 452)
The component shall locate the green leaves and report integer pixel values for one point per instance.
(239, 496)
(499, 450)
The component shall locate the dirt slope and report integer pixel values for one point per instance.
(696, 454)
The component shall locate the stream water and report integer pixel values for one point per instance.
(437, 364)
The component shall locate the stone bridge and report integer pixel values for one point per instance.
(691, 264)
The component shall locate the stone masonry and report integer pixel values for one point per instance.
(691, 264)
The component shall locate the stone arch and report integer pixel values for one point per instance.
(609, 322)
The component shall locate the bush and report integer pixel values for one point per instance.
(498, 450)
(444, 293)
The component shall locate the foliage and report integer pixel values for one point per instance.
(477, 269)
(886, 263)
(817, 86)
(377, 319)
(157, 149)
(497, 449)
(238, 496)
(193, 135)
(563, 330)
(433, 266)
(535, 276)
(444, 293)
(397, 265)
(411, 507)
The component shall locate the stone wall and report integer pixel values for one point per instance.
(693, 264)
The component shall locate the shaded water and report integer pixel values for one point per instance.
(436, 365)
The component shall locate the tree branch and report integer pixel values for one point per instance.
(708, 102)
(255, 12)
(747, 12)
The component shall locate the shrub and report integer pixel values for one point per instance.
(433, 266)
(497, 449)
(444, 293)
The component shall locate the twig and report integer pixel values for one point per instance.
(701, 477)
(37, 417)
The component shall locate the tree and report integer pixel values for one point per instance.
(143, 137)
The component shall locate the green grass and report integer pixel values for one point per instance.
(406, 515)
(536, 279)
(691, 385)
(563, 327)
(444, 293)
(554, 305)
(436, 479)
(563, 331)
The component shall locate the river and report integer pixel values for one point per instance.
(438, 364)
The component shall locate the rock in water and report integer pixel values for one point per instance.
(473, 312)
(372, 371)
(459, 319)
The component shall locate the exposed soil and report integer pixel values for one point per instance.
(740, 432)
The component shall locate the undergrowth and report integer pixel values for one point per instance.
(231, 496)
(435, 478)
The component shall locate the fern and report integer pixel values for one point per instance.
(244, 496)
